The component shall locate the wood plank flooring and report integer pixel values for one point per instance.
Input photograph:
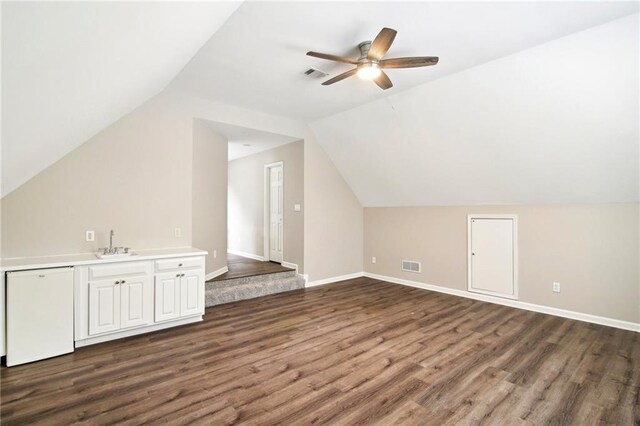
(240, 267)
(357, 352)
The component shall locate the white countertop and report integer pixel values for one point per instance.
(22, 263)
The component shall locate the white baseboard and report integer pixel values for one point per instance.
(290, 265)
(245, 254)
(333, 280)
(216, 273)
(610, 322)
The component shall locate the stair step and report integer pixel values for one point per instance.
(216, 295)
(251, 279)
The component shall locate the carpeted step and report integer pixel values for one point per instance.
(217, 293)
(251, 279)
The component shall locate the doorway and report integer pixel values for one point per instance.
(493, 254)
(274, 212)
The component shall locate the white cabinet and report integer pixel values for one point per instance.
(136, 302)
(104, 304)
(120, 299)
(192, 293)
(119, 303)
(167, 296)
(179, 292)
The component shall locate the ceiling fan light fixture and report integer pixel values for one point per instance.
(369, 70)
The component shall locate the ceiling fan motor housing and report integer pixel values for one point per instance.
(364, 50)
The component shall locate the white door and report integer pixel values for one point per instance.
(104, 306)
(136, 297)
(492, 256)
(167, 292)
(276, 207)
(192, 293)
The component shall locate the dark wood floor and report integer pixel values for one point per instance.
(240, 267)
(358, 352)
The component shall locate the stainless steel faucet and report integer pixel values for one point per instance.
(114, 250)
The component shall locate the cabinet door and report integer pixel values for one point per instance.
(192, 293)
(136, 302)
(167, 292)
(104, 306)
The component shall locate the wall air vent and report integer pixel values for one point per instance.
(315, 73)
(411, 266)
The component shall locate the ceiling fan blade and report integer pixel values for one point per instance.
(332, 57)
(383, 81)
(381, 44)
(340, 77)
(417, 61)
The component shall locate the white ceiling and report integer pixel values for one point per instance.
(257, 58)
(239, 137)
(557, 123)
(71, 69)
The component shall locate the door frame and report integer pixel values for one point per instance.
(513, 217)
(267, 210)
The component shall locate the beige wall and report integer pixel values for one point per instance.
(246, 202)
(334, 218)
(209, 207)
(592, 250)
(133, 177)
(136, 177)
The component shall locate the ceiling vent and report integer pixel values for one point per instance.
(315, 73)
(411, 266)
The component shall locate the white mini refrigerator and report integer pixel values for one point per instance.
(39, 314)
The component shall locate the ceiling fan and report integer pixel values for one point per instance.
(370, 65)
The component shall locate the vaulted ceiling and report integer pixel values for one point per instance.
(71, 69)
(557, 123)
(257, 59)
(512, 107)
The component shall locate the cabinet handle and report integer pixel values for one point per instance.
(177, 275)
(122, 282)
(117, 282)
(179, 264)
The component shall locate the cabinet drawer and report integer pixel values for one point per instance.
(179, 263)
(119, 269)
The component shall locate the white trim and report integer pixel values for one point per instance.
(513, 217)
(333, 280)
(245, 254)
(135, 331)
(267, 188)
(579, 316)
(216, 273)
(290, 265)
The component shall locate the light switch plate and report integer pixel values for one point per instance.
(90, 236)
(373, 260)
(177, 232)
(556, 287)
(297, 207)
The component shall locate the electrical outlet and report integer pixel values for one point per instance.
(373, 260)
(215, 254)
(90, 236)
(556, 287)
(177, 232)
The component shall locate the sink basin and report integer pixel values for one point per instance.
(115, 255)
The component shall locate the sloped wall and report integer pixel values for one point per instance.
(136, 177)
(133, 177)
